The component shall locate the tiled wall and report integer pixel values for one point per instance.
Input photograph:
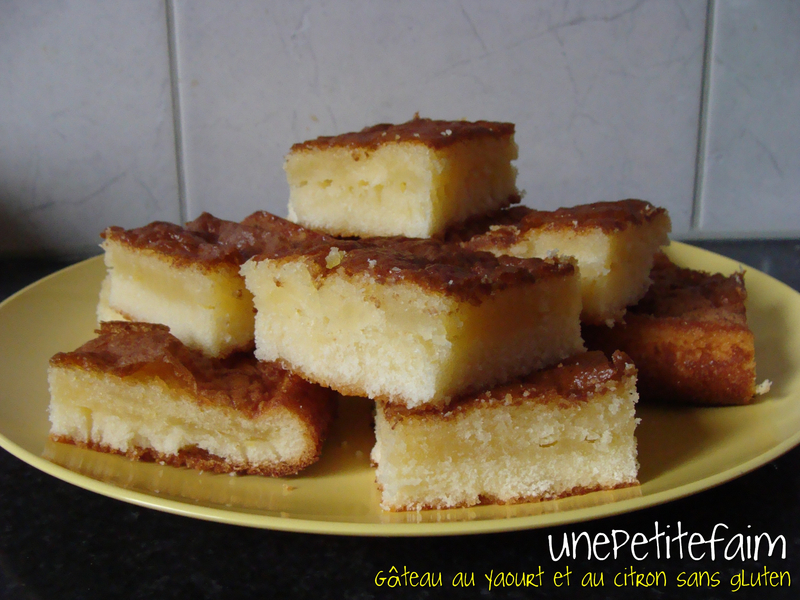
(124, 112)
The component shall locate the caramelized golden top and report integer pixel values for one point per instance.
(687, 293)
(241, 382)
(504, 227)
(434, 134)
(209, 240)
(574, 380)
(432, 264)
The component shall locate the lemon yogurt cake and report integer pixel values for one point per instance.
(689, 338)
(614, 243)
(188, 277)
(409, 321)
(137, 390)
(562, 431)
(414, 179)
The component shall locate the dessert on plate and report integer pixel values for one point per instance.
(414, 179)
(614, 244)
(413, 322)
(688, 337)
(404, 275)
(137, 390)
(188, 277)
(561, 431)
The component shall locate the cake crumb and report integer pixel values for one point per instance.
(763, 387)
(334, 257)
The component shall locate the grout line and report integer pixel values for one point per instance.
(702, 128)
(172, 44)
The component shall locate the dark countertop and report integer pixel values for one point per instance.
(60, 541)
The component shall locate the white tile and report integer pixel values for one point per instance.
(86, 122)
(752, 162)
(605, 95)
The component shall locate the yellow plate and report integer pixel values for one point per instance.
(681, 450)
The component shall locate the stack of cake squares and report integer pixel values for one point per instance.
(404, 275)
(483, 389)
(171, 376)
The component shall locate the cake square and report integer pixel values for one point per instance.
(188, 277)
(414, 179)
(409, 321)
(614, 244)
(137, 390)
(562, 431)
(688, 337)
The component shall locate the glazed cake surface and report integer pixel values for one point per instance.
(137, 390)
(414, 179)
(562, 431)
(188, 277)
(614, 244)
(689, 338)
(408, 321)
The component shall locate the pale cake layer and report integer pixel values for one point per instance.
(208, 309)
(688, 337)
(394, 320)
(614, 244)
(136, 390)
(104, 310)
(188, 277)
(563, 431)
(415, 179)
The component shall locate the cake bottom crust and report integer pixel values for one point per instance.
(485, 499)
(195, 458)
